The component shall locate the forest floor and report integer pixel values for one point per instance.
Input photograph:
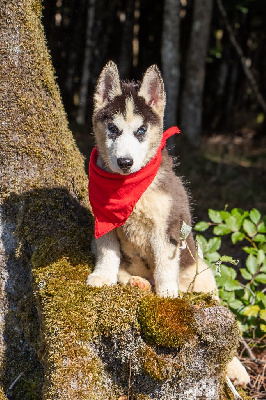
(226, 172)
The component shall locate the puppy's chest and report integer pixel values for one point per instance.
(151, 214)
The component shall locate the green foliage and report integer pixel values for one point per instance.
(243, 289)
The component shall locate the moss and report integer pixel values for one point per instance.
(36, 119)
(226, 393)
(200, 300)
(2, 395)
(73, 317)
(166, 322)
(156, 366)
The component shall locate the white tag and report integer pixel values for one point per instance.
(185, 230)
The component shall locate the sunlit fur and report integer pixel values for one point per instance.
(146, 249)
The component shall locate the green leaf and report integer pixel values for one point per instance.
(225, 215)
(201, 226)
(237, 237)
(226, 296)
(250, 250)
(251, 311)
(262, 227)
(262, 246)
(246, 275)
(260, 238)
(220, 280)
(227, 272)
(263, 328)
(215, 216)
(255, 215)
(233, 224)
(232, 284)
(214, 244)
(229, 259)
(213, 257)
(221, 230)
(252, 264)
(249, 227)
(245, 328)
(202, 240)
(261, 297)
(237, 211)
(263, 314)
(236, 304)
(260, 256)
(263, 267)
(261, 278)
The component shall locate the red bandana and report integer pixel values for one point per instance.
(114, 196)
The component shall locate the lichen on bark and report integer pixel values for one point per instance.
(60, 339)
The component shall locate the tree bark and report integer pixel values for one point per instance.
(126, 52)
(60, 339)
(43, 187)
(85, 76)
(170, 58)
(74, 53)
(191, 105)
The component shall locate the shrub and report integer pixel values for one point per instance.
(242, 289)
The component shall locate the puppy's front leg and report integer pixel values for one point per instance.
(166, 265)
(107, 261)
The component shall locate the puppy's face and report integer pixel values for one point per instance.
(128, 120)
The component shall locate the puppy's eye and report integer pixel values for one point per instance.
(141, 132)
(113, 129)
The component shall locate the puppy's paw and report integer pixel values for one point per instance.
(237, 373)
(167, 290)
(99, 281)
(139, 282)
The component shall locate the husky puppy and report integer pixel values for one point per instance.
(145, 250)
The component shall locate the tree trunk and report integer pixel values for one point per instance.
(126, 53)
(85, 76)
(191, 106)
(74, 52)
(170, 58)
(43, 189)
(60, 339)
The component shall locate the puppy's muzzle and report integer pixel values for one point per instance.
(125, 163)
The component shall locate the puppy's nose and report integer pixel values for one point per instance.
(125, 163)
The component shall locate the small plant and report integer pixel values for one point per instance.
(243, 289)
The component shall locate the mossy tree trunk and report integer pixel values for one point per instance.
(43, 187)
(60, 339)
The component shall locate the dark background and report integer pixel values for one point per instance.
(224, 158)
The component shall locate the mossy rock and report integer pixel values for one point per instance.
(95, 339)
(166, 322)
(91, 341)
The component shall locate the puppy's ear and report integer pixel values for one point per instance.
(152, 89)
(108, 85)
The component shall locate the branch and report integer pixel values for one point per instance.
(243, 60)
